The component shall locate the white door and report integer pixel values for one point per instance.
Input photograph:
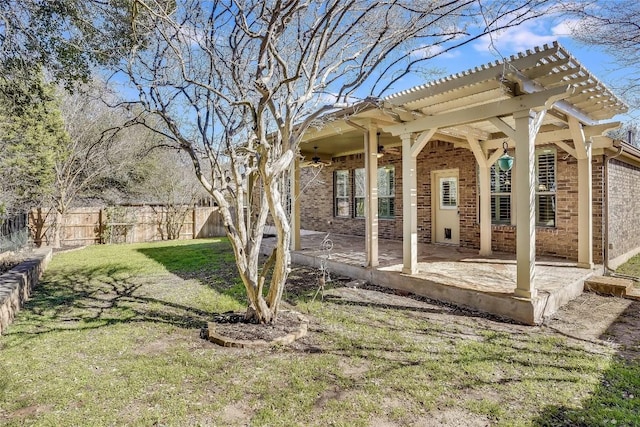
(446, 219)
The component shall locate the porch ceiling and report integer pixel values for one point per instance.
(543, 68)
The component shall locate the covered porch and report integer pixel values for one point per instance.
(447, 273)
(440, 143)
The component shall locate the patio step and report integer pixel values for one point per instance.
(616, 286)
(633, 293)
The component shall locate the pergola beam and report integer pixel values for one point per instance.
(556, 135)
(530, 86)
(482, 112)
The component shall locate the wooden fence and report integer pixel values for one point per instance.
(13, 231)
(123, 224)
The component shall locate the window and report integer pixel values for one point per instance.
(545, 191)
(546, 188)
(500, 195)
(341, 192)
(448, 193)
(386, 192)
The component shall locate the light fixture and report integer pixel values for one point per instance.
(315, 158)
(505, 162)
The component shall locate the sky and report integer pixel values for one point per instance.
(532, 34)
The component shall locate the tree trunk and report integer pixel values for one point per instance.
(57, 226)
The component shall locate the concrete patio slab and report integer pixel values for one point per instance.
(448, 273)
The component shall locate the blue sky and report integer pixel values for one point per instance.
(529, 35)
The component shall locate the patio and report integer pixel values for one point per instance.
(448, 273)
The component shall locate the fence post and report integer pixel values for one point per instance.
(194, 227)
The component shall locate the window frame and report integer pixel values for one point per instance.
(386, 202)
(543, 191)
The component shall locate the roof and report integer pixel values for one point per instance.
(534, 70)
(481, 103)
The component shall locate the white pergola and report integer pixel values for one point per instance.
(539, 97)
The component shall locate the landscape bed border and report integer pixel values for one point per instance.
(17, 284)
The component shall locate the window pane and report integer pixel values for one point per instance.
(546, 188)
(359, 178)
(500, 180)
(501, 209)
(500, 195)
(386, 181)
(342, 183)
(359, 203)
(546, 163)
(342, 207)
(386, 207)
(448, 193)
(546, 209)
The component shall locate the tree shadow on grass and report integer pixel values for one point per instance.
(616, 400)
(212, 263)
(91, 298)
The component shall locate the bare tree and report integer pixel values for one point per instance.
(97, 156)
(615, 26)
(236, 83)
(171, 189)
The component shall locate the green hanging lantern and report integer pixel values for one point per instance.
(505, 162)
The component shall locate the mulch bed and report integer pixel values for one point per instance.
(233, 326)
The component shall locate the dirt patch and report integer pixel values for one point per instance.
(595, 318)
(589, 318)
(232, 326)
(230, 330)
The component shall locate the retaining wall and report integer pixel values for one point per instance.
(16, 285)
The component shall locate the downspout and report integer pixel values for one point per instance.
(605, 217)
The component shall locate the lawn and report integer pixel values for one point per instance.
(631, 268)
(111, 337)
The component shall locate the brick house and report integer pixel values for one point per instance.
(424, 163)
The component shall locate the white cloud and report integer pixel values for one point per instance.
(525, 36)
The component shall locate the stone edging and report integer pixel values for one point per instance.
(210, 334)
(16, 285)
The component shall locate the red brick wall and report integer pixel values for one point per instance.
(624, 208)
(561, 241)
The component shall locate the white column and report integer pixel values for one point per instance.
(409, 206)
(485, 209)
(371, 200)
(484, 171)
(294, 186)
(585, 210)
(525, 204)
(582, 151)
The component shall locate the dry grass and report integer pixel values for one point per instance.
(111, 338)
